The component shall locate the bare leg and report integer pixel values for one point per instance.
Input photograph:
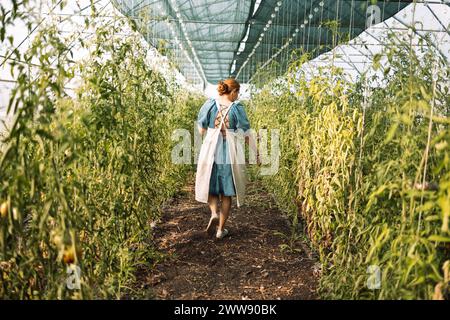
(225, 212)
(213, 202)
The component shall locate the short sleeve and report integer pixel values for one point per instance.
(241, 118)
(202, 118)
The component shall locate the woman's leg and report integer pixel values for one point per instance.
(225, 212)
(213, 202)
(214, 220)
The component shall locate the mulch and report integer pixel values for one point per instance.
(249, 264)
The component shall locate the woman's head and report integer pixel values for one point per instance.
(230, 88)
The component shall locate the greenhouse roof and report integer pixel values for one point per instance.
(211, 40)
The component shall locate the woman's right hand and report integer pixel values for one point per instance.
(201, 130)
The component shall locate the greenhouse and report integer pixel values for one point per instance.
(224, 150)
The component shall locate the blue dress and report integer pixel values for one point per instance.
(221, 181)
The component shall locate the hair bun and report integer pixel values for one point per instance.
(223, 88)
(228, 86)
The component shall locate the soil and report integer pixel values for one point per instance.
(250, 263)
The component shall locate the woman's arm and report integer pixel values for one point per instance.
(244, 124)
(202, 118)
(251, 142)
(202, 130)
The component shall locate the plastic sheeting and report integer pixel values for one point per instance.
(212, 40)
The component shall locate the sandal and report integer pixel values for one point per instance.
(221, 233)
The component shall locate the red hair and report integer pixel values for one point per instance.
(228, 86)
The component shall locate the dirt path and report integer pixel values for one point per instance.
(248, 264)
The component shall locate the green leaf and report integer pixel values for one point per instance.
(438, 238)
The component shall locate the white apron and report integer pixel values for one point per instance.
(206, 161)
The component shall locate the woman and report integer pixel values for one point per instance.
(219, 172)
